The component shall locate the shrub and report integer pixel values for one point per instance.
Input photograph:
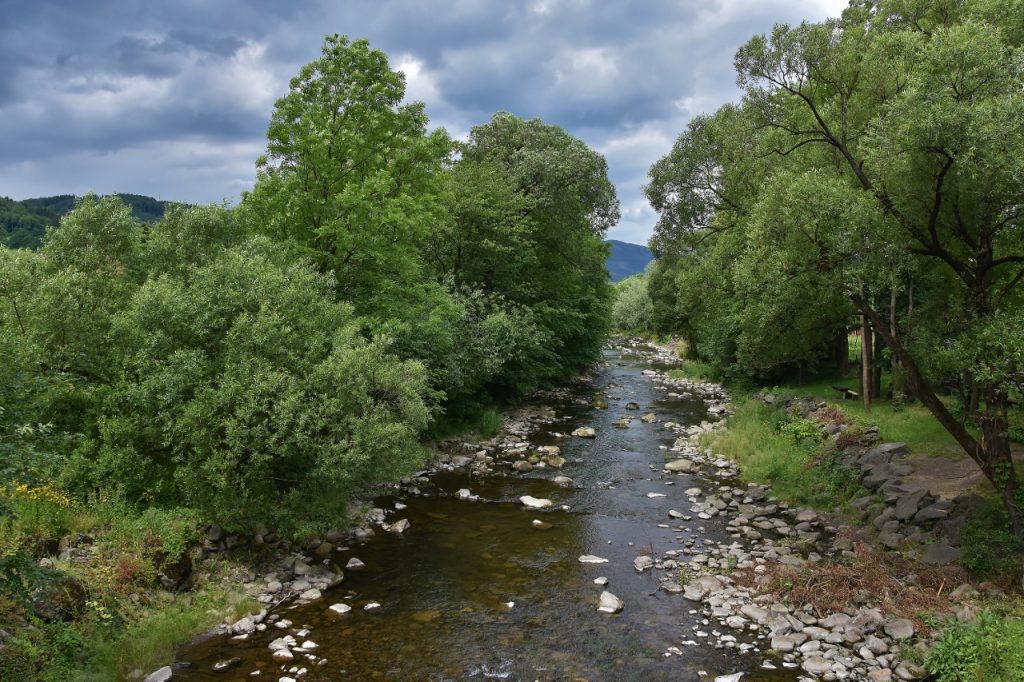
(991, 648)
(40, 511)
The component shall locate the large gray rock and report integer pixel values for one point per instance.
(933, 512)
(892, 540)
(816, 665)
(585, 432)
(884, 453)
(880, 474)
(700, 587)
(939, 554)
(908, 504)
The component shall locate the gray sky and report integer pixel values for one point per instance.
(172, 98)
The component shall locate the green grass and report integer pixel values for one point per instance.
(694, 370)
(148, 640)
(772, 447)
(990, 648)
(911, 424)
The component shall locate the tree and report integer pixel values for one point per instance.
(894, 137)
(530, 205)
(351, 174)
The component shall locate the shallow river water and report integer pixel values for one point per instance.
(445, 586)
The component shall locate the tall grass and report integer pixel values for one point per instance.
(772, 447)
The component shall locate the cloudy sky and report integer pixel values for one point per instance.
(172, 98)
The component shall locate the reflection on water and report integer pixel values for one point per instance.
(473, 590)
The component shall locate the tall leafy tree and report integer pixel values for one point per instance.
(530, 206)
(351, 173)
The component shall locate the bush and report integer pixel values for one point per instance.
(250, 395)
(990, 550)
(41, 512)
(633, 310)
(991, 648)
(771, 447)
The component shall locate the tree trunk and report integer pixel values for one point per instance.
(992, 454)
(865, 362)
(876, 384)
(893, 363)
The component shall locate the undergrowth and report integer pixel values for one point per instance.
(788, 452)
(989, 648)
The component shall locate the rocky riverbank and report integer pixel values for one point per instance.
(737, 585)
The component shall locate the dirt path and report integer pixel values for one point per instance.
(948, 477)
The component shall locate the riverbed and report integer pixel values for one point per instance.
(476, 589)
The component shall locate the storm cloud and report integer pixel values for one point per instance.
(172, 99)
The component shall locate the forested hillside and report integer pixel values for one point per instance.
(23, 223)
(626, 260)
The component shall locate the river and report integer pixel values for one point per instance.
(475, 590)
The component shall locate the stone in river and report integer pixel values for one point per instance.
(601, 581)
(372, 606)
(540, 525)
(164, 674)
(609, 603)
(735, 677)
(649, 418)
(585, 432)
(355, 564)
(653, 495)
(564, 481)
(535, 503)
(684, 466)
(592, 559)
(522, 466)
(399, 526)
(556, 461)
(340, 609)
(675, 514)
(643, 562)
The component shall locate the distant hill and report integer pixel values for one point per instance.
(627, 259)
(23, 223)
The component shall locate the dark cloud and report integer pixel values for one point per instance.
(172, 98)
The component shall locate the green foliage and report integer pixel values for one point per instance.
(529, 206)
(167, 531)
(772, 447)
(249, 394)
(989, 549)
(633, 310)
(23, 224)
(990, 648)
(351, 174)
